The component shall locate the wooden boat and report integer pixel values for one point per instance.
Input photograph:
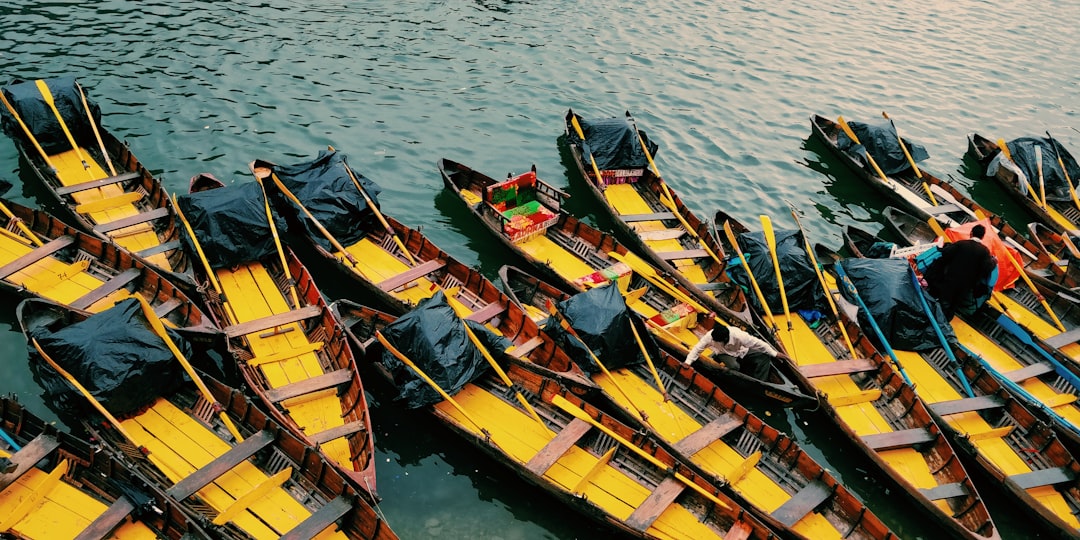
(532, 294)
(880, 413)
(647, 211)
(1061, 214)
(579, 257)
(1062, 251)
(44, 257)
(92, 174)
(602, 472)
(71, 490)
(211, 449)
(700, 423)
(1020, 452)
(290, 348)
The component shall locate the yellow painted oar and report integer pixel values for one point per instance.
(277, 244)
(1042, 180)
(847, 130)
(375, 208)
(1019, 269)
(565, 324)
(753, 281)
(576, 412)
(824, 284)
(94, 126)
(770, 240)
(159, 329)
(206, 264)
(669, 201)
(29, 134)
(1008, 155)
(46, 94)
(434, 385)
(648, 360)
(581, 135)
(262, 173)
(911, 161)
(646, 271)
(1072, 189)
(22, 226)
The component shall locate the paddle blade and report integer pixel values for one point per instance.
(1004, 148)
(847, 129)
(767, 229)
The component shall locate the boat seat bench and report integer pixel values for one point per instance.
(804, 502)
(685, 254)
(92, 184)
(898, 439)
(318, 521)
(27, 457)
(1029, 372)
(142, 217)
(1043, 477)
(308, 386)
(220, 465)
(266, 323)
(525, 348)
(700, 438)
(114, 284)
(839, 367)
(338, 432)
(956, 406)
(1064, 338)
(411, 275)
(486, 313)
(36, 255)
(557, 446)
(661, 216)
(659, 500)
(103, 526)
(945, 491)
(160, 248)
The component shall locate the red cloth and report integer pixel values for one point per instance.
(1007, 274)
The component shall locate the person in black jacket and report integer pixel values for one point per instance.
(961, 274)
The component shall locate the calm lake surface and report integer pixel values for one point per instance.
(725, 88)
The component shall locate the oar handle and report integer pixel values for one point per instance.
(94, 127)
(848, 131)
(277, 244)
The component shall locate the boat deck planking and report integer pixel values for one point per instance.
(376, 264)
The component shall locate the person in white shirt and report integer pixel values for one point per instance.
(735, 349)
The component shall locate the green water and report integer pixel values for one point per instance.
(725, 88)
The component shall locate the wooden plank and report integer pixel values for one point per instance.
(105, 289)
(685, 254)
(166, 307)
(337, 432)
(525, 348)
(662, 234)
(103, 526)
(557, 446)
(904, 438)
(966, 405)
(307, 386)
(141, 217)
(804, 502)
(1065, 338)
(321, 519)
(1029, 372)
(83, 186)
(272, 321)
(704, 436)
(659, 500)
(160, 248)
(714, 286)
(630, 218)
(36, 255)
(740, 530)
(27, 457)
(945, 491)
(486, 313)
(1043, 477)
(101, 205)
(411, 275)
(222, 464)
(940, 209)
(839, 367)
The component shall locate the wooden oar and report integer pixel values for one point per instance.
(375, 208)
(824, 286)
(277, 244)
(206, 264)
(770, 241)
(669, 201)
(648, 360)
(22, 226)
(1008, 155)
(911, 161)
(753, 281)
(1017, 266)
(29, 134)
(1042, 180)
(851, 134)
(576, 412)
(48, 97)
(94, 127)
(565, 324)
(262, 173)
(842, 278)
(434, 385)
(1061, 163)
(650, 274)
(159, 329)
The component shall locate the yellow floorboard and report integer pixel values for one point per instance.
(376, 265)
(626, 200)
(62, 514)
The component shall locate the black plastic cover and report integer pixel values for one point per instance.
(230, 223)
(115, 355)
(613, 143)
(324, 187)
(31, 107)
(432, 336)
(800, 280)
(1023, 154)
(881, 140)
(886, 287)
(602, 321)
